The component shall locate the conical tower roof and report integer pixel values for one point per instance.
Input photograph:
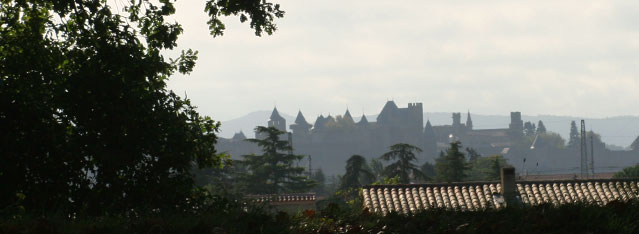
(239, 136)
(389, 109)
(469, 121)
(300, 120)
(363, 120)
(275, 115)
(348, 118)
(428, 130)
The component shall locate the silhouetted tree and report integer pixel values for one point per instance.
(486, 168)
(541, 128)
(357, 173)
(428, 169)
(529, 129)
(86, 119)
(377, 168)
(320, 178)
(273, 171)
(574, 140)
(628, 172)
(452, 166)
(472, 154)
(403, 167)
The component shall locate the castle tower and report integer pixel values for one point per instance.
(348, 119)
(363, 121)
(277, 121)
(387, 115)
(430, 140)
(239, 136)
(469, 122)
(319, 123)
(516, 126)
(300, 126)
(457, 121)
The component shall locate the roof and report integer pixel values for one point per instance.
(239, 136)
(276, 115)
(347, 117)
(363, 120)
(389, 108)
(487, 195)
(282, 199)
(300, 120)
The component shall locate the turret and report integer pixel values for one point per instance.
(469, 122)
(277, 121)
(347, 118)
(300, 126)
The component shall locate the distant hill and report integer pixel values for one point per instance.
(619, 130)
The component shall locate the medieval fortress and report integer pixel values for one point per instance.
(331, 140)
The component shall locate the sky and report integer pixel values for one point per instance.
(574, 58)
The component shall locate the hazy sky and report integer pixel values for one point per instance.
(578, 58)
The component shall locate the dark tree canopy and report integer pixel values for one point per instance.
(273, 172)
(575, 137)
(451, 166)
(404, 167)
(541, 128)
(86, 119)
(357, 173)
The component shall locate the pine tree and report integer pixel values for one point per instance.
(273, 172)
(541, 128)
(403, 167)
(452, 166)
(575, 138)
(529, 129)
(357, 173)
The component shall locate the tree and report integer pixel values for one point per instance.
(273, 171)
(541, 128)
(320, 178)
(403, 167)
(452, 166)
(472, 154)
(487, 168)
(377, 168)
(529, 129)
(628, 172)
(356, 173)
(575, 138)
(429, 170)
(86, 120)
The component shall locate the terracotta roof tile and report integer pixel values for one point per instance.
(486, 195)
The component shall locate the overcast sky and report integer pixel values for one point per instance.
(578, 58)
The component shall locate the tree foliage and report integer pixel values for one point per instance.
(541, 128)
(452, 166)
(403, 167)
(575, 137)
(357, 173)
(86, 120)
(273, 172)
(628, 172)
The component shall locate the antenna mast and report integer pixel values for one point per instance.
(584, 151)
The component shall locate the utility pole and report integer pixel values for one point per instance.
(592, 153)
(310, 166)
(584, 151)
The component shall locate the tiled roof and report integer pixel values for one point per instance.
(284, 198)
(487, 195)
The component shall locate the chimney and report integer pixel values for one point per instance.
(508, 186)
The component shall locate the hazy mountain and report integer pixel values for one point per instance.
(619, 130)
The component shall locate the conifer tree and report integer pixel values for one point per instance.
(541, 128)
(273, 172)
(452, 166)
(403, 167)
(357, 173)
(574, 139)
